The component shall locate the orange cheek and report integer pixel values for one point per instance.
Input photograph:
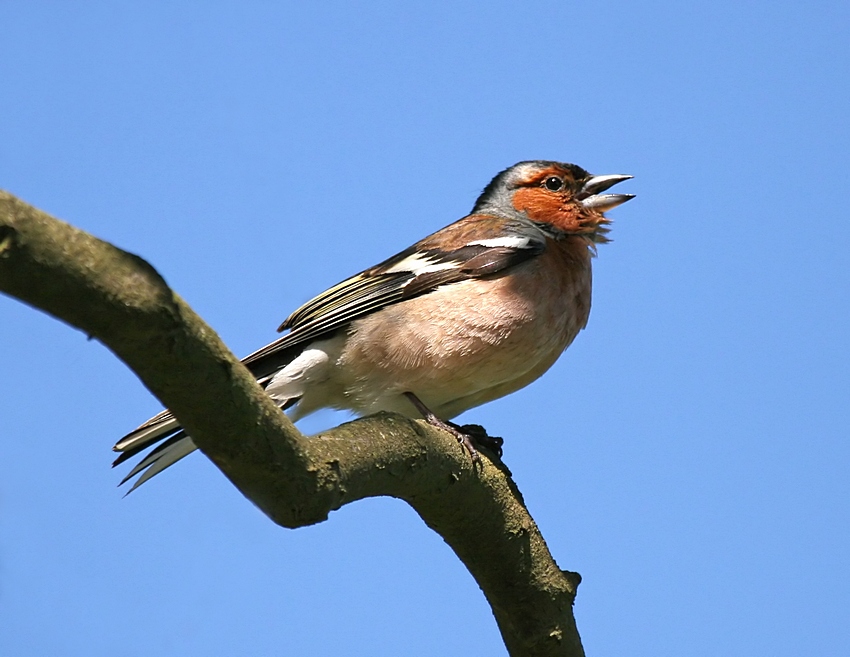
(546, 207)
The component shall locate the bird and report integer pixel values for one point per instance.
(469, 314)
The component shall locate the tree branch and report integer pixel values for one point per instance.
(120, 300)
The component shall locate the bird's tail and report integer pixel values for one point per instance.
(174, 444)
(170, 440)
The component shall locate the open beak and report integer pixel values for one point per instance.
(591, 197)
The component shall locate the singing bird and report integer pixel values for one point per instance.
(469, 314)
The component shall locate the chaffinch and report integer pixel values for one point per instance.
(469, 314)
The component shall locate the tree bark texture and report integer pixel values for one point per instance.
(120, 300)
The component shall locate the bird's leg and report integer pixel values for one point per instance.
(463, 438)
(467, 435)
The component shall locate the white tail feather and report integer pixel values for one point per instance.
(156, 463)
(148, 432)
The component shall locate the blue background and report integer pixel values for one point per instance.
(688, 455)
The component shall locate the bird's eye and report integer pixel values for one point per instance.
(553, 183)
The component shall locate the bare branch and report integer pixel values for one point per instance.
(120, 300)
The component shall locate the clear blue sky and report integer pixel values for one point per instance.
(688, 455)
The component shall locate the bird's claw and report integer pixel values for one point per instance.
(467, 435)
(475, 434)
(466, 442)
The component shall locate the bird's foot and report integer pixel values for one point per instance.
(479, 436)
(467, 435)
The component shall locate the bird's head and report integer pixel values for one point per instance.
(561, 198)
